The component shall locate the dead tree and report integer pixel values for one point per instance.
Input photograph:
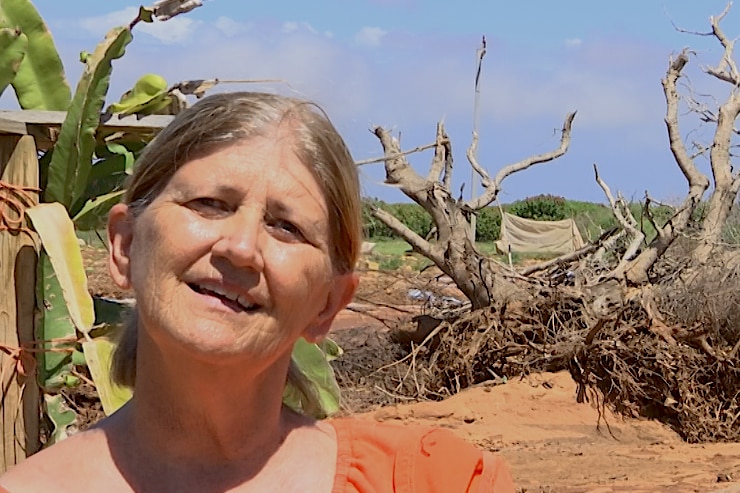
(475, 274)
(726, 181)
(635, 271)
(454, 252)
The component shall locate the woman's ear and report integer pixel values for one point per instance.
(340, 296)
(120, 235)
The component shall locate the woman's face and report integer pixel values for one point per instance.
(232, 259)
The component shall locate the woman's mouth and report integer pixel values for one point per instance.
(233, 300)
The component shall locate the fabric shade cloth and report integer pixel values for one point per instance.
(529, 236)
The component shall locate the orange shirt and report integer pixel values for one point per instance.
(387, 458)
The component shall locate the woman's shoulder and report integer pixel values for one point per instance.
(414, 459)
(48, 469)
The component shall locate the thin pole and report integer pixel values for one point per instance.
(479, 54)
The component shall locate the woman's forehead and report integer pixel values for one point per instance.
(254, 166)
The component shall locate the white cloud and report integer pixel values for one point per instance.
(229, 27)
(174, 31)
(370, 36)
(573, 42)
(293, 26)
(99, 25)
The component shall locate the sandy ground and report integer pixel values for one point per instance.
(553, 444)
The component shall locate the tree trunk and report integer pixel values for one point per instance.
(464, 264)
(718, 210)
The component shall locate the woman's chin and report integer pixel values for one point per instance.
(219, 346)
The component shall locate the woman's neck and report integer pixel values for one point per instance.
(188, 410)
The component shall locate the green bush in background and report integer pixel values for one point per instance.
(412, 215)
(488, 224)
(540, 208)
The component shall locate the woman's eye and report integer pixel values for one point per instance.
(286, 228)
(209, 206)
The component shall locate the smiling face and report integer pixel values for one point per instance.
(232, 258)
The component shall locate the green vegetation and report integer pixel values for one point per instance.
(393, 254)
(540, 208)
(592, 219)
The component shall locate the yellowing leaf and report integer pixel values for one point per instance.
(313, 361)
(99, 355)
(55, 228)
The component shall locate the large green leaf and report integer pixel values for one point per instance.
(99, 355)
(71, 161)
(105, 184)
(94, 213)
(58, 238)
(40, 83)
(13, 46)
(61, 416)
(148, 96)
(55, 327)
(313, 361)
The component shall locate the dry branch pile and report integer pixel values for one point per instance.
(680, 366)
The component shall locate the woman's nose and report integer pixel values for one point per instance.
(240, 240)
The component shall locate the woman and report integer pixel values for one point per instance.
(238, 234)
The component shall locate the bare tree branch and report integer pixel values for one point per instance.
(398, 169)
(624, 216)
(637, 270)
(564, 259)
(418, 243)
(685, 163)
(472, 153)
(726, 70)
(494, 187)
(473, 160)
(647, 212)
(442, 154)
(396, 155)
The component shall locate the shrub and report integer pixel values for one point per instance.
(412, 215)
(488, 224)
(373, 228)
(540, 208)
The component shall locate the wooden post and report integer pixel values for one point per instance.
(20, 411)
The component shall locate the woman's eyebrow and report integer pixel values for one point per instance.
(205, 187)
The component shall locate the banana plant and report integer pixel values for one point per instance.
(13, 47)
(82, 178)
(39, 82)
(35, 71)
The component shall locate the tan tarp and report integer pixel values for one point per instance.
(527, 235)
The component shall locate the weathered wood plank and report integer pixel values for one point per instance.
(55, 118)
(45, 125)
(19, 427)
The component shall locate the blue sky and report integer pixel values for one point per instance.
(404, 64)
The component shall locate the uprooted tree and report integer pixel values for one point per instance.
(638, 329)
